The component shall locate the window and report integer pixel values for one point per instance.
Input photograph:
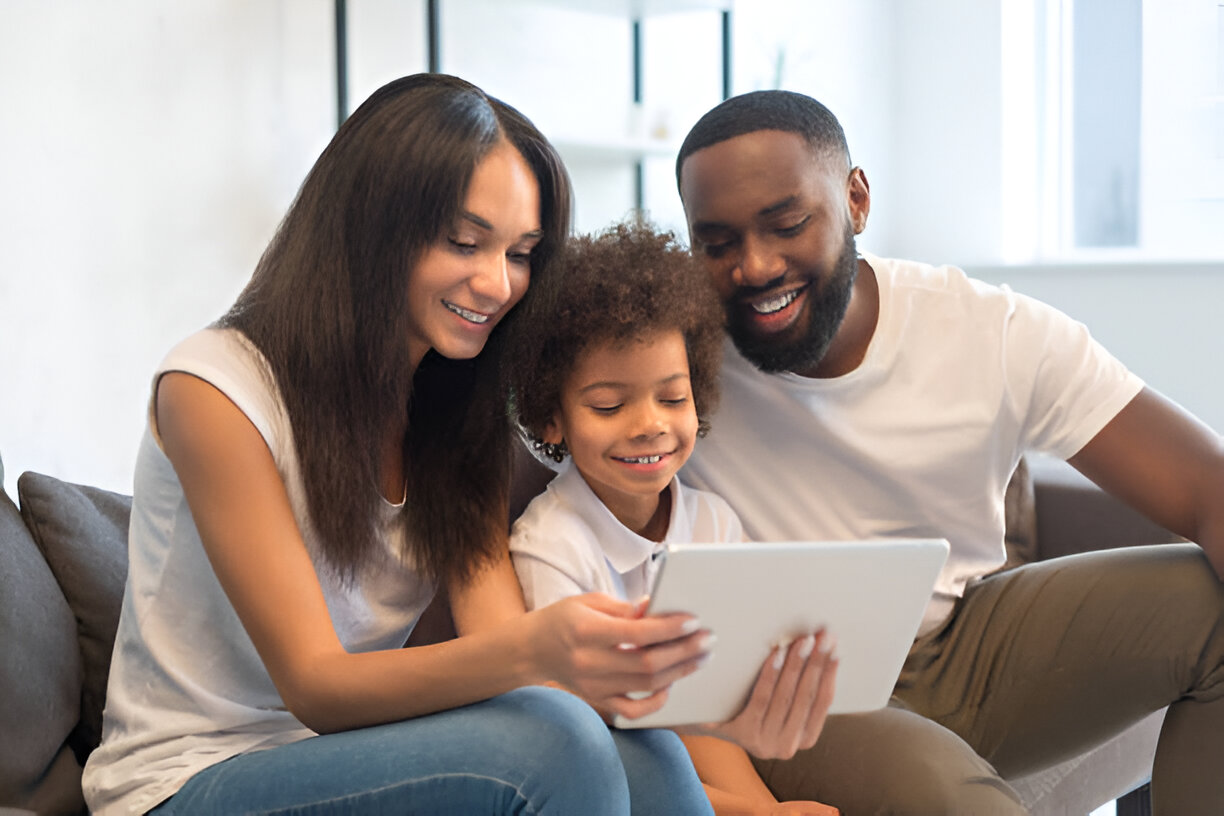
(1113, 131)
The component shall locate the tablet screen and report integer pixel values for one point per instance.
(870, 595)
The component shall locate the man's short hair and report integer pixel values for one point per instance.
(768, 110)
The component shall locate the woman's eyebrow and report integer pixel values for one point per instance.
(477, 220)
(484, 224)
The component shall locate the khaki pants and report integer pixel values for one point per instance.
(1035, 666)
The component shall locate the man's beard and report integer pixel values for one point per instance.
(826, 308)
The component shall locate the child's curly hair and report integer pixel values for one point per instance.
(619, 285)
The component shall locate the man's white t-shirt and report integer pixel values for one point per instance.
(187, 688)
(567, 542)
(922, 437)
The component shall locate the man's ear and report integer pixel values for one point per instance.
(858, 194)
(553, 434)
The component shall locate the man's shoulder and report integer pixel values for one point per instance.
(905, 274)
(911, 288)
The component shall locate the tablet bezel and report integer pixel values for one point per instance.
(870, 595)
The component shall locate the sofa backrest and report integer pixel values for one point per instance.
(82, 533)
(41, 676)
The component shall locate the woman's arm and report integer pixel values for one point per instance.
(242, 511)
(490, 597)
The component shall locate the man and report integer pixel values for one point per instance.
(866, 397)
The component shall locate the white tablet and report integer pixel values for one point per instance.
(870, 595)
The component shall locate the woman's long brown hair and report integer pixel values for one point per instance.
(326, 307)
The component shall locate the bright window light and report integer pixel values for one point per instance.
(1113, 130)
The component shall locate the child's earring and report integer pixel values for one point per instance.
(703, 428)
(556, 451)
(552, 442)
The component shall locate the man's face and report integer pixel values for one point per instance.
(774, 224)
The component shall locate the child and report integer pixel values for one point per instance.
(618, 369)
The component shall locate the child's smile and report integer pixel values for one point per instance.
(628, 418)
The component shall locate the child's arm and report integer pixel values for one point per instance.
(731, 782)
(733, 785)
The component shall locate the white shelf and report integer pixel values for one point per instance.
(637, 8)
(614, 150)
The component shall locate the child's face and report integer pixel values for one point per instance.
(628, 418)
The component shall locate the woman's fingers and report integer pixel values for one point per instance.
(793, 694)
(824, 698)
(638, 705)
(812, 693)
(816, 652)
(638, 672)
(762, 694)
(621, 622)
(787, 706)
(604, 649)
(787, 701)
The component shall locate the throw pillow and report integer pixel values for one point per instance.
(82, 532)
(40, 677)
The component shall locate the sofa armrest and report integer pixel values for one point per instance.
(1074, 515)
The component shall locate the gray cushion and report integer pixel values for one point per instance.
(1020, 515)
(40, 677)
(82, 532)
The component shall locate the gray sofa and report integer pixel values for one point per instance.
(63, 558)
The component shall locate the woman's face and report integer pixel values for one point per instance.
(475, 273)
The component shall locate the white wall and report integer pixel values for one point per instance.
(147, 152)
(946, 145)
(845, 55)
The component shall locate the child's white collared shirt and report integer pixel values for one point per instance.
(567, 542)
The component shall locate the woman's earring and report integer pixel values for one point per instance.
(556, 451)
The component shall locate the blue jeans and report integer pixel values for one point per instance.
(533, 751)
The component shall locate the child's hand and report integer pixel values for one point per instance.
(786, 710)
(604, 651)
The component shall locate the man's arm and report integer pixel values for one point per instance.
(1161, 460)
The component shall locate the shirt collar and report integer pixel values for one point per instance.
(623, 548)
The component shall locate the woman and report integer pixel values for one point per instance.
(322, 459)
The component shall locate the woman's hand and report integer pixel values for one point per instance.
(786, 710)
(603, 650)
